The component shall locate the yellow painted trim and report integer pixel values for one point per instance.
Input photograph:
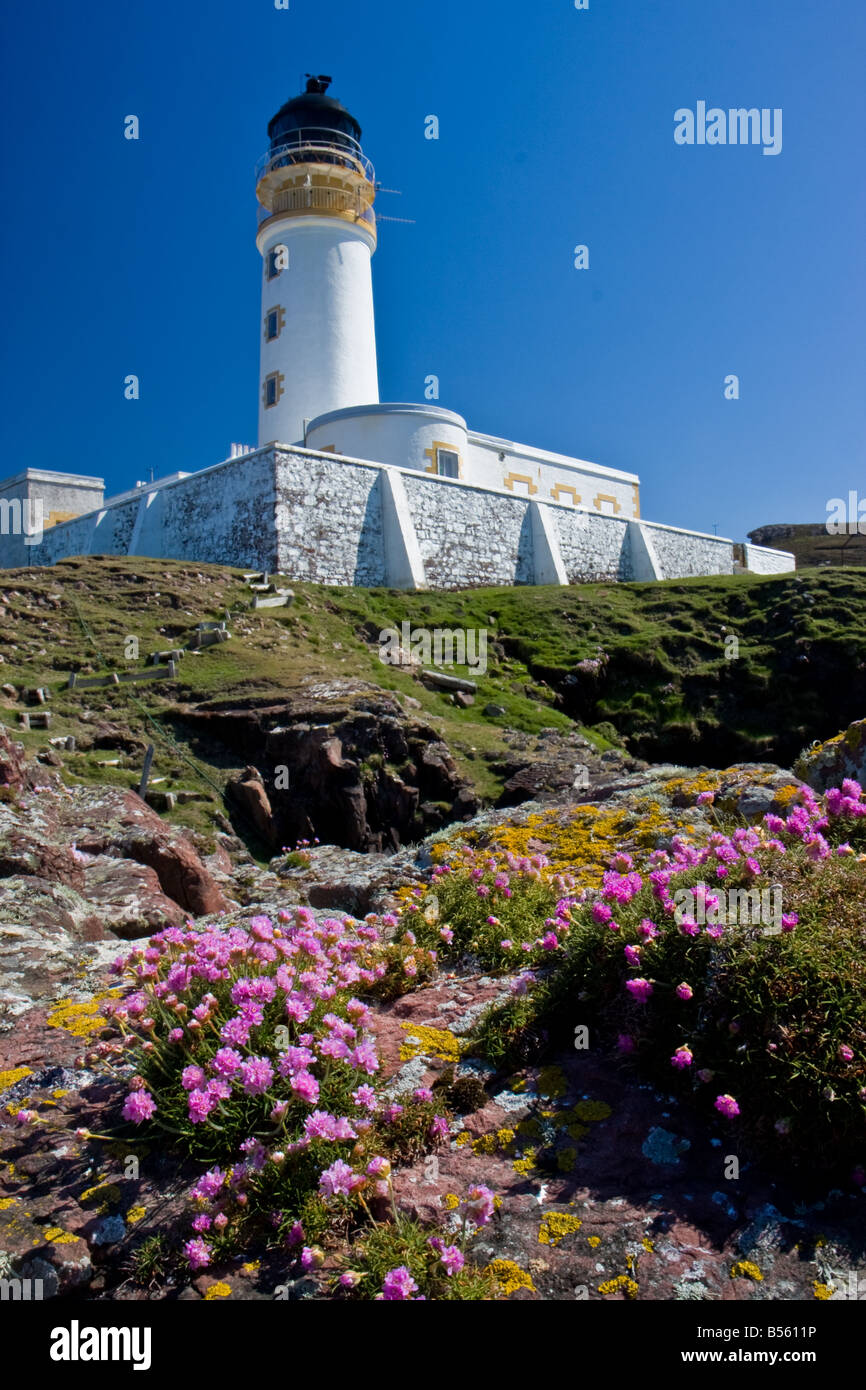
(310, 191)
(606, 497)
(564, 487)
(433, 456)
(55, 518)
(513, 478)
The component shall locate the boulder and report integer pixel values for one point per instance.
(828, 764)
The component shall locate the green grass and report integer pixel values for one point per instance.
(665, 684)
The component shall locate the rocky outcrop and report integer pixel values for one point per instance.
(352, 770)
(828, 764)
(95, 859)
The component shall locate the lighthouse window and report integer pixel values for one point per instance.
(273, 266)
(447, 463)
(273, 388)
(272, 325)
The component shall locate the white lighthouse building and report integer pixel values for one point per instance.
(317, 232)
(343, 488)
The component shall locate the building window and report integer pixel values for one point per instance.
(272, 389)
(443, 460)
(272, 267)
(275, 322)
(447, 463)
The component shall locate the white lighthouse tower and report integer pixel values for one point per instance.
(317, 233)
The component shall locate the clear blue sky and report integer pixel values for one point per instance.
(556, 129)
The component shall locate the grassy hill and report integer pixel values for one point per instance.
(812, 546)
(655, 661)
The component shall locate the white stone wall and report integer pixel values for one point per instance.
(328, 520)
(468, 536)
(334, 521)
(593, 547)
(688, 554)
(762, 559)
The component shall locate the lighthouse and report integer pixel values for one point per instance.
(316, 236)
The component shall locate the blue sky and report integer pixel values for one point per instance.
(556, 129)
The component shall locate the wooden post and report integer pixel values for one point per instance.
(148, 760)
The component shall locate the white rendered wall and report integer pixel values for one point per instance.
(548, 477)
(326, 349)
(401, 435)
(405, 436)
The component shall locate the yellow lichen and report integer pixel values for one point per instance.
(509, 1277)
(822, 1291)
(218, 1290)
(463, 1138)
(648, 1245)
(134, 1215)
(429, 1042)
(593, 1241)
(58, 1236)
(251, 1267)
(6, 1202)
(551, 1082)
(556, 1226)
(525, 1165)
(591, 1111)
(745, 1269)
(82, 1019)
(450, 1201)
(106, 1192)
(621, 1284)
(9, 1078)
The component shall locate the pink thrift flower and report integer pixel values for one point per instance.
(306, 1086)
(478, 1204)
(198, 1253)
(727, 1106)
(365, 1096)
(845, 1053)
(256, 1075)
(453, 1259)
(398, 1285)
(338, 1180)
(138, 1106)
(639, 989)
(684, 991)
(682, 1058)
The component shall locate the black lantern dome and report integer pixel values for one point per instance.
(315, 116)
